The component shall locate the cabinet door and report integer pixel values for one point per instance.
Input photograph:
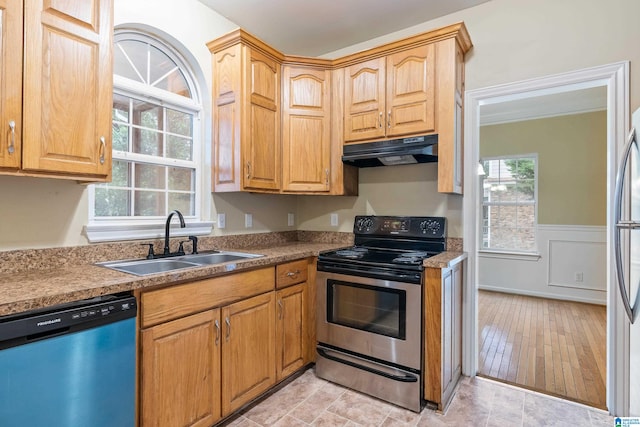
(411, 91)
(68, 87)
(248, 350)
(364, 100)
(306, 149)
(261, 138)
(290, 329)
(227, 105)
(456, 348)
(447, 329)
(180, 372)
(10, 83)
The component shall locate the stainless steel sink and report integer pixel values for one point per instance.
(145, 267)
(217, 257)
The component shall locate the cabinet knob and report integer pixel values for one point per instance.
(281, 309)
(12, 138)
(217, 325)
(228, 322)
(103, 148)
(326, 173)
(248, 170)
(380, 120)
(389, 120)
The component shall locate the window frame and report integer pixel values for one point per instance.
(100, 229)
(517, 252)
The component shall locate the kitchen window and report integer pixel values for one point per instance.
(509, 203)
(157, 132)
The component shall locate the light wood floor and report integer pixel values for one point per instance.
(556, 347)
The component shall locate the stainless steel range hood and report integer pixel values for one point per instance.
(419, 149)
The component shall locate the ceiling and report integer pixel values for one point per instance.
(314, 28)
(550, 105)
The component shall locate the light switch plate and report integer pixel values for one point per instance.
(222, 220)
(334, 219)
(248, 220)
(291, 219)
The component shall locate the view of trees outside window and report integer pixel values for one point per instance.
(509, 204)
(154, 167)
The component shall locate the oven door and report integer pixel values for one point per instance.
(379, 319)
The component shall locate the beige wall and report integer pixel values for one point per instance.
(513, 40)
(572, 154)
(392, 190)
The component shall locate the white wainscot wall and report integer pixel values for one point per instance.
(571, 266)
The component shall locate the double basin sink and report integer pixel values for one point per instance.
(144, 267)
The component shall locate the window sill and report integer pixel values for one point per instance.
(522, 256)
(97, 232)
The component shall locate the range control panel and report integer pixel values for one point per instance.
(409, 226)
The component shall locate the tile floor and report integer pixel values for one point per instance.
(310, 401)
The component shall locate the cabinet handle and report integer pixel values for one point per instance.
(248, 170)
(226, 320)
(281, 309)
(12, 140)
(293, 273)
(326, 173)
(103, 148)
(389, 120)
(217, 325)
(380, 120)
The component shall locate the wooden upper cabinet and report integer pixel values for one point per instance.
(411, 91)
(262, 145)
(246, 115)
(306, 139)
(68, 87)
(391, 96)
(10, 83)
(364, 100)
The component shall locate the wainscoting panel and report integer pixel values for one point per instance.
(570, 265)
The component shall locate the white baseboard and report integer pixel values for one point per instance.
(598, 301)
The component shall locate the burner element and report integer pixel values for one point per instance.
(352, 253)
(412, 257)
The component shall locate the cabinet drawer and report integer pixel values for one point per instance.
(290, 273)
(177, 301)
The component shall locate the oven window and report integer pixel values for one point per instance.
(368, 308)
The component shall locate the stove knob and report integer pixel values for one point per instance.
(430, 226)
(364, 224)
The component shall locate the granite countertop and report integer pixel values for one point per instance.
(32, 289)
(28, 281)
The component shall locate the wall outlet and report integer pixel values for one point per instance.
(222, 220)
(334, 219)
(248, 220)
(291, 219)
(579, 276)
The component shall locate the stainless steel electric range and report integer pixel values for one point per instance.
(370, 307)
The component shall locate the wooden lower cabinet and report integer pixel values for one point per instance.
(291, 325)
(180, 372)
(442, 333)
(209, 347)
(248, 350)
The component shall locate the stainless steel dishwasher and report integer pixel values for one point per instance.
(70, 365)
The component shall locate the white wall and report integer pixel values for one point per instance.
(564, 252)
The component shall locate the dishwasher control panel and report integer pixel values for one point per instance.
(65, 318)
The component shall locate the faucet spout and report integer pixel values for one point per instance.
(166, 229)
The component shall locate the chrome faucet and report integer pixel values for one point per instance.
(167, 251)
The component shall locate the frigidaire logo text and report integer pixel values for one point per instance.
(49, 322)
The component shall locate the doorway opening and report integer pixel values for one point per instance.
(613, 79)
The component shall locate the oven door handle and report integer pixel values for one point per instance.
(401, 378)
